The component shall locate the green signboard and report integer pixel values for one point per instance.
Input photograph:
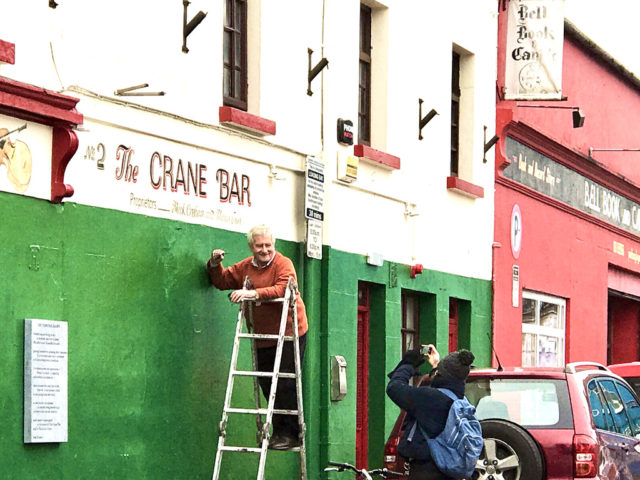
(546, 176)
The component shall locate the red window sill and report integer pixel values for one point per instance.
(234, 118)
(464, 188)
(383, 159)
(7, 52)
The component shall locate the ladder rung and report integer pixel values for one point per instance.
(263, 336)
(240, 449)
(262, 411)
(258, 302)
(262, 374)
(252, 449)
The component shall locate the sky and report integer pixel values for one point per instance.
(612, 24)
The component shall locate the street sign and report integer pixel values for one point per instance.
(314, 193)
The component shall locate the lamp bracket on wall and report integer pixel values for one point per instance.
(578, 116)
(411, 210)
(52, 4)
(188, 27)
(591, 150)
(313, 72)
(275, 174)
(129, 92)
(422, 121)
(489, 144)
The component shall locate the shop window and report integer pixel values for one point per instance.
(543, 330)
(235, 71)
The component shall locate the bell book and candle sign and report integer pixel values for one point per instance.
(546, 176)
(533, 63)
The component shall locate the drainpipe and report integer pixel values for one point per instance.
(494, 247)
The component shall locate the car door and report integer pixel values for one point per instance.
(620, 417)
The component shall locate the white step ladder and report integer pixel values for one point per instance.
(246, 312)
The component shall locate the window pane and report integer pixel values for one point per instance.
(409, 343)
(528, 350)
(237, 50)
(227, 47)
(616, 407)
(528, 310)
(540, 403)
(228, 11)
(237, 17)
(365, 29)
(237, 85)
(598, 412)
(226, 83)
(632, 407)
(549, 351)
(409, 313)
(549, 315)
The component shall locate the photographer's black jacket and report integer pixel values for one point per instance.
(426, 403)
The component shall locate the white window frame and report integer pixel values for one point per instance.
(537, 329)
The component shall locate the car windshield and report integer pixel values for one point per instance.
(540, 403)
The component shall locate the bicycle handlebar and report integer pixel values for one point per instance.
(341, 467)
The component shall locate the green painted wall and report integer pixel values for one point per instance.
(343, 271)
(150, 342)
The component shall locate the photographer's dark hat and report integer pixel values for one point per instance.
(456, 365)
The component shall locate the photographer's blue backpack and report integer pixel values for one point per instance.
(457, 448)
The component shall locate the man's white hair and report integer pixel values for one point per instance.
(257, 231)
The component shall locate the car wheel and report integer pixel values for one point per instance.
(509, 453)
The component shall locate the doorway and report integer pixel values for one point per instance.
(362, 388)
(623, 327)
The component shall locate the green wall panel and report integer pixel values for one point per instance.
(149, 343)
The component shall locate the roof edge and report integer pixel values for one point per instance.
(600, 54)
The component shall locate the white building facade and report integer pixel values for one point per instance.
(189, 134)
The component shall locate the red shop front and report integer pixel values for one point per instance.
(567, 215)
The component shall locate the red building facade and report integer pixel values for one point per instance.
(566, 265)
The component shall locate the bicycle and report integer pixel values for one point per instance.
(367, 475)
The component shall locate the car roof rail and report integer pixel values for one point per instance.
(573, 367)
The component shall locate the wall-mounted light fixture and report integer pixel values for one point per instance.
(52, 4)
(129, 91)
(591, 150)
(188, 27)
(489, 144)
(578, 116)
(422, 121)
(313, 72)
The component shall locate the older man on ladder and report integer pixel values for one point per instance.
(269, 272)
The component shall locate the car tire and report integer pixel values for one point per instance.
(509, 453)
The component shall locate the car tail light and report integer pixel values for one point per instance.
(585, 456)
(390, 453)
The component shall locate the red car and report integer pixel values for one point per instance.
(580, 421)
